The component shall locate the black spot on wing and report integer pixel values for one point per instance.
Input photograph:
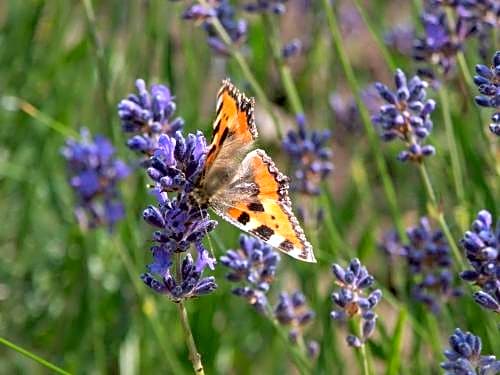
(286, 245)
(264, 232)
(244, 218)
(255, 206)
(211, 151)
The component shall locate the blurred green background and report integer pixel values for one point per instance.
(76, 298)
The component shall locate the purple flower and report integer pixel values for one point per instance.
(148, 114)
(429, 261)
(310, 155)
(224, 12)
(482, 249)
(261, 6)
(94, 173)
(292, 311)
(464, 356)
(406, 116)
(487, 81)
(253, 265)
(439, 45)
(355, 298)
(180, 225)
(292, 48)
(401, 38)
(482, 16)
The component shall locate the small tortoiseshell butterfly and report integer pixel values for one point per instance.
(244, 187)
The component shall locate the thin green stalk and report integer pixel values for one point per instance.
(158, 327)
(365, 358)
(15, 103)
(102, 70)
(33, 357)
(236, 54)
(297, 354)
(381, 46)
(436, 211)
(373, 140)
(452, 145)
(285, 73)
(194, 355)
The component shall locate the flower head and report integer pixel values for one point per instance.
(180, 225)
(261, 6)
(355, 298)
(254, 266)
(148, 114)
(94, 173)
(429, 260)
(224, 12)
(311, 157)
(406, 116)
(178, 161)
(440, 44)
(464, 356)
(488, 82)
(482, 249)
(292, 311)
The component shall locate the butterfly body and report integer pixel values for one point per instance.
(245, 187)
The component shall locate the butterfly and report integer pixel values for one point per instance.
(243, 186)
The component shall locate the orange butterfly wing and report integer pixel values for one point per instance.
(265, 210)
(234, 121)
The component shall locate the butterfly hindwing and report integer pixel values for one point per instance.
(234, 122)
(258, 203)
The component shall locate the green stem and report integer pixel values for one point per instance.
(380, 45)
(33, 357)
(364, 356)
(236, 54)
(452, 145)
(284, 70)
(194, 356)
(102, 69)
(436, 211)
(373, 140)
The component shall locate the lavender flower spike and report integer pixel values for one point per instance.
(488, 82)
(148, 114)
(175, 167)
(311, 156)
(355, 299)
(482, 248)
(406, 116)
(292, 311)
(94, 173)
(464, 356)
(254, 266)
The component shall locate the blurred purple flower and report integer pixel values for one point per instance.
(401, 38)
(430, 263)
(94, 173)
(225, 13)
(261, 6)
(310, 156)
(440, 44)
(292, 311)
(488, 82)
(292, 48)
(406, 116)
(175, 167)
(254, 265)
(355, 298)
(464, 356)
(148, 114)
(482, 248)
